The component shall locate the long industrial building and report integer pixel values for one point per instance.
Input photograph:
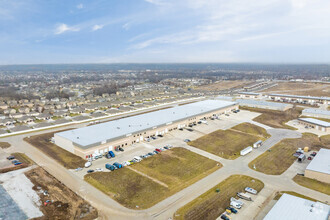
(319, 168)
(103, 137)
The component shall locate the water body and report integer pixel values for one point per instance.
(9, 210)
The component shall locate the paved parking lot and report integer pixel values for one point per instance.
(3, 160)
(9, 210)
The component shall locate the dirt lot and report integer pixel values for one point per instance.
(280, 157)
(211, 204)
(4, 145)
(65, 204)
(67, 159)
(144, 184)
(300, 88)
(223, 85)
(312, 184)
(225, 143)
(325, 140)
(275, 119)
(26, 161)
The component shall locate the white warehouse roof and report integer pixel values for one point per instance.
(316, 111)
(315, 121)
(105, 132)
(301, 97)
(290, 207)
(321, 162)
(262, 103)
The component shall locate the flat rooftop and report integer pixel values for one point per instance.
(262, 103)
(316, 111)
(321, 162)
(315, 121)
(290, 207)
(301, 97)
(105, 132)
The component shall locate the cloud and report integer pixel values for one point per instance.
(80, 6)
(62, 28)
(97, 27)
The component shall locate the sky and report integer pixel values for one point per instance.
(164, 31)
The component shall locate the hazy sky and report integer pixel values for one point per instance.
(107, 31)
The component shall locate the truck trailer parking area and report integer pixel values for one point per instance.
(144, 184)
(214, 202)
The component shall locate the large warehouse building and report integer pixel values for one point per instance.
(101, 138)
(319, 167)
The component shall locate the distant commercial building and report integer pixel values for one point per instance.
(264, 104)
(290, 207)
(249, 95)
(319, 167)
(103, 137)
(315, 123)
(312, 100)
(318, 113)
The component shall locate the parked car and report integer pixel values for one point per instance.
(160, 135)
(11, 157)
(313, 154)
(110, 167)
(186, 140)
(309, 158)
(78, 169)
(162, 149)
(158, 150)
(14, 161)
(250, 190)
(121, 149)
(118, 165)
(90, 171)
(150, 154)
(166, 148)
(17, 163)
(98, 169)
(112, 154)
(232, 210)
(88, 164)
(126, 163)
(223, 216)
(181, 129)
(235, 204)
(153, 137)
(108, 156)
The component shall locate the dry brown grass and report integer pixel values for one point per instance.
(300, 88)
(4, 145)
(65, 158)
(312, 184)
(274, 118)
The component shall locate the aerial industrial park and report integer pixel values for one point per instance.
(164, 110)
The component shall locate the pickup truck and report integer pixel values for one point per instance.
(250, 190)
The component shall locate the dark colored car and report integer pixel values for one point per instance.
(90, 171)
(166, 148)
(112, 154)
(224, 217)
(181, 129)
(108, 156)
(18, 163)
(160, 135)
(150, 154)
(232, 210)
(121, 149)
(156, 152)
(14, 161)
(11, 157)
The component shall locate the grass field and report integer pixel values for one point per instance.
(252, 129)
(275, 119)
(225, 143)
(280, 157)
(325, 140)
(279, 194)
(4, 145)
(65, 158)
(211, 204)
(300, 88)
(312, 184)
(223, 85)
(176, 168)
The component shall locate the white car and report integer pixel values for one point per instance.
(88, 164)
(99, 170)
(126, 163)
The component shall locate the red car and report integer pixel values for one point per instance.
(309, 158)
(158, 150)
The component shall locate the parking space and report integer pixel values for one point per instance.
(4, 163)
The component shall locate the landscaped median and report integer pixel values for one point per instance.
(229, 143)
(312, 184)
(150, 181)
(280, 157)
(214, 202)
